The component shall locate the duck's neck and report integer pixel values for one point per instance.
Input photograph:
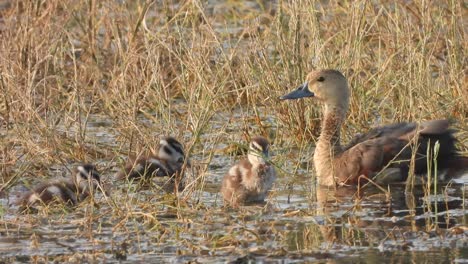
(328, 144)
(330, 134)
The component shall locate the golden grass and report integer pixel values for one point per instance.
(62, 61)
(178, 68)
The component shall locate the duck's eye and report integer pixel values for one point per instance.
(321, 79)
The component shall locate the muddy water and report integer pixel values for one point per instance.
(300, 223)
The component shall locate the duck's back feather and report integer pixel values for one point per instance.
(398, 130)
(145, 167)
(394, 145)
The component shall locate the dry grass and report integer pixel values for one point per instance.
(172, 68)
(178, 65)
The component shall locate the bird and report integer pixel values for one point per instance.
(251, 178)
(391, 146)
(83, 181)
(168, 161)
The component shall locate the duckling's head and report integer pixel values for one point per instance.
(86, 176)
(328, 86)
(171, 150)
(258, 151)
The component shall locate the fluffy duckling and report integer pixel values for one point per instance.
(168, 161)
(85, 179)
(250, 179)
(367, 154)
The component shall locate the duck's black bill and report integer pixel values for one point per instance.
(301, 92)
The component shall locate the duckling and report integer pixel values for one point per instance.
(390, 146)
(85, 179)
(167, 162)
(250, 180)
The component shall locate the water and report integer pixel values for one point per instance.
(300, 223)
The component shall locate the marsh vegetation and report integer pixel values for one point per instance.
(95, 81)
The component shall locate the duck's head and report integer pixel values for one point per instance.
(171, 150)
(328, 86)
(87, 176)
(258, 151)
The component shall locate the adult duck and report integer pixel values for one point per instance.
(391, 146)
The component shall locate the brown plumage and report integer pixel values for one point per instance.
(83, 181)
(250, 180)
(367, 154)
(168, 161)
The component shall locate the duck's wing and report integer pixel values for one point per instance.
(232, 187)
(402, 130)
(233, 179)
(48, 192)
(365, 159)
(143, 167)
(394, 146)
(383, 131)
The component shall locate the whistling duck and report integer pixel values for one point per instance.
(388, 146)
(250, 179)
(168, 161)
(84, 180)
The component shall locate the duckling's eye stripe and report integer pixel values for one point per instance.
(256, 146)
(167, 150)
(253, 147)
(178, 148)
(95, 176)
(321, 79)
(172, 145)
(82, 171)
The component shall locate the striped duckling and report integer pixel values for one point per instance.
(168, 161)
(250, 179)
(85, 179)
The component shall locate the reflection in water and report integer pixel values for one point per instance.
(401, 221)
(398, 229)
